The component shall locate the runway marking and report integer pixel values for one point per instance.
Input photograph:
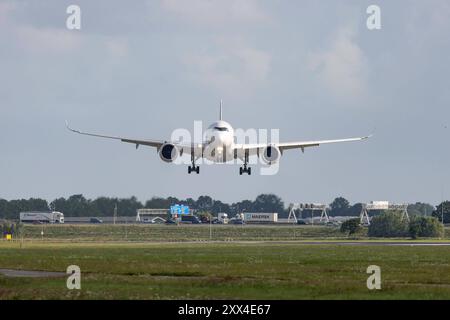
(410, 243)
(30, 273)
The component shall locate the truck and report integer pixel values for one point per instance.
(260, 217)
(222, 217)
(41, 217)
(237, 219)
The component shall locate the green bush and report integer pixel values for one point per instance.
(425, 227)
(388, 224)
(442, 210)
(351, 226)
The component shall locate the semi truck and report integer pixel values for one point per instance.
(42, 217)
(222, 217)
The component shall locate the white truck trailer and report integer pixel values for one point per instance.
(42, 217)
(260, 217)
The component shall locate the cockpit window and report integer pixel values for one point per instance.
(221, 128)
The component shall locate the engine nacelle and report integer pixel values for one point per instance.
(271, 154)
(168, 152)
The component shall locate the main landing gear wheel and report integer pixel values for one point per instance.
(245, 169)
(195, 169)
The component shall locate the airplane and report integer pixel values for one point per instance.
(219, 147)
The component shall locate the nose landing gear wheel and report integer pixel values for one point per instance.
(194, 168)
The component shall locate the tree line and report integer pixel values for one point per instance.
(342, 207)
(79, 206)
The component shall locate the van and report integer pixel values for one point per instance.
(190, 219)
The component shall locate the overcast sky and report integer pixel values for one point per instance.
(141, 69)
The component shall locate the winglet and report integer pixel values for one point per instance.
(372, 134)
(69, 128)
(221, 104)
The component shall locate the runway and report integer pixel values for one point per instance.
(294, 242)
(337, 242)
(375, 243)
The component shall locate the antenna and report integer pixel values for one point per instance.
(221, 103)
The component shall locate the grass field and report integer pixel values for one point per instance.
(160, 233)
(156, 268)
(226, 271)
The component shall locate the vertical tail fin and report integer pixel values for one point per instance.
(221, 103)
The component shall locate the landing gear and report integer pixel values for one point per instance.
(193, 168)
(245, 169)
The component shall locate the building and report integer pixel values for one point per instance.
(151, 215)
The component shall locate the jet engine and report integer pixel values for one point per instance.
(168, 152)
(271, 154)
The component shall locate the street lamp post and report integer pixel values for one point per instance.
(210, 228)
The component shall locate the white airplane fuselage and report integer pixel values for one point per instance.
(219, 139)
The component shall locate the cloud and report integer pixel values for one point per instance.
(28, 38)
(428, 24)
(47, 40)
(233, 66)
(117, 47)
(227, 62)
(343, 68)
(31, 39)
(215, 12)
(5, 10)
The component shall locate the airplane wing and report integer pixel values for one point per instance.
(297, 144)
(306, 144)
(183, 147)
(151, 143)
